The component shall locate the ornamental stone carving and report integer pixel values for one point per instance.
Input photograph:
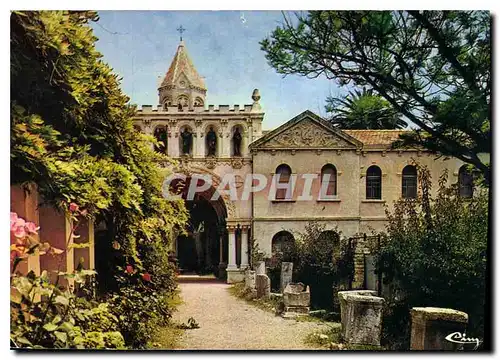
(211, 163)
(236, 163)
(307, 134)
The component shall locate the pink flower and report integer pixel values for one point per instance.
(20, 222)
(130, 269)
(73, 207)
(31, 227)
(19, 232)
(146, 277)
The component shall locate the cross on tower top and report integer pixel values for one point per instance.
(180, 29)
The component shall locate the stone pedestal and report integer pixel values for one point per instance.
(361, 317)
(263, 286)
(430, 326)
(286, 275)
(235, 275)
(296, 300)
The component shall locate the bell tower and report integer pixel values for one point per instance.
(182, 86)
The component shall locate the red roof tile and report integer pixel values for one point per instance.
(375, 137)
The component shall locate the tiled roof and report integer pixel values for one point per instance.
(375, 137)
(183, 64)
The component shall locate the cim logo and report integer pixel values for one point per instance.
(459, 338)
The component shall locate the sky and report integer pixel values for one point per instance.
(224, 47)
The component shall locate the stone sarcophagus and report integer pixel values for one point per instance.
(361, 317)
(431, 326)
(296, 300)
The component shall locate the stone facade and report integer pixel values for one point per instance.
(304, 144)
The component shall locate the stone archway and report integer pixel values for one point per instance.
(202, 249)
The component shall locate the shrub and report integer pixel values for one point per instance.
(321, 259)
(434, 254)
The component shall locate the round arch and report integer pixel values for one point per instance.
(281, 241)
(201, 248)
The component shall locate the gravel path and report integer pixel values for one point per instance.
(227, 322)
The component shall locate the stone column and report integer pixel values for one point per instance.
(222, 263)
(244, 247)
(245, 140)
(223, 142)
(173, 142)
(430, 326)
(221, 249)
(231, 261)
(198, 143)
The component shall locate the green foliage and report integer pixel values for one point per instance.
(435, 255)
(72, 134)
(433, 67)
(324, 337)
(321, 259)
(45, 314)
(363, 111)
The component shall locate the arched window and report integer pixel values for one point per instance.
(465, 182)
(183, 100)
(198, 102)
(281, 242)
(329, 180)
(167, 102)
(373, 182)
(409, 184)
(161, 135)
(283, 173)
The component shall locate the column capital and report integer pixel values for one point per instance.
(231, 227)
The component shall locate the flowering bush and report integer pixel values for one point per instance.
(47, 315)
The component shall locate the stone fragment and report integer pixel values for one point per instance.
(286, 274)
(361, 317)
(260, 268)
(249, 279)
(430, 326)
(263, 286)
